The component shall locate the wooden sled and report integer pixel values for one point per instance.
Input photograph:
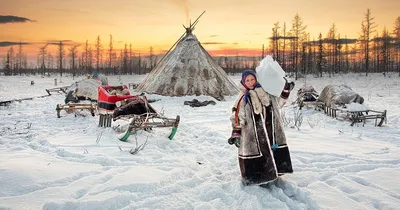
(307, 97)
(71, 107)
(356, 116)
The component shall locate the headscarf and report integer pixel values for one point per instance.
(244, 75)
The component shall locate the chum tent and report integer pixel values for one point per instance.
(188, 69)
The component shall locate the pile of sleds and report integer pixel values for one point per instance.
(340, 101)
(112, 103)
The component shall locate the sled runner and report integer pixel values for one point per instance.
(141, 115)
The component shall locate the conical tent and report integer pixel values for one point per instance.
(188, 70)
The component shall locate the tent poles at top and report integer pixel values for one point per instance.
(188, 29)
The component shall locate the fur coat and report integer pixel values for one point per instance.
(267, 106)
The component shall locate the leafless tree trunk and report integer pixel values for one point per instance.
(50, 61)
(262, 52)
(151, 57)
(284, 46)
(338, 54)
(42, 56)
(73, 55)
(298, 31)
(110, 53)
(19, 57)
(275, 41)
(7, 65)
(367, 28)
(98, 53)
(320, 55)
(61, 54)
(396, 32)
(87, 62)
(385, 50)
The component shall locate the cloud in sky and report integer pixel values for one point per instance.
(57, 42)
(334, 41)
(50, 42)
(213, 43)
(9, 44)
(4, 19)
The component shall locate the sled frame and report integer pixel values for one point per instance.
(355, 117)
(302, 103)
(73, 107)
(57, 90)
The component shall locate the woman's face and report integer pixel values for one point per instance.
(250, 81)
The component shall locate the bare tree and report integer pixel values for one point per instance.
(19, 58)
(275, 41)
(367, 28)
(385, 49)
(396, 33)
(110, 53)
(88, 58)
(60, 59)
(284, 33)
(320, 57)
(346, 54)
(42, 57)
(338, 54)
(151, 57)
(50, 61)
(298, 31)
(98, 53)
(130, 58)
(140, 63)
(73, 55)
(331, 45)
(7, 65)
(375, 53)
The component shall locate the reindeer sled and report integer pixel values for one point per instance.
(342, 102)
(80, 96)
(307, 97)
(116, 103)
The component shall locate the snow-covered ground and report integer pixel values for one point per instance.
(70, 163)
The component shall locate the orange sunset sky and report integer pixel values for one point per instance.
(228, 26)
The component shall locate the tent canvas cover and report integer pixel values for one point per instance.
(188, 70)
(339, 95)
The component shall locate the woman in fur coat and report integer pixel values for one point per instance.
(258, 132)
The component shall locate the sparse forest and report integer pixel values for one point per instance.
(371, 52)
(290, 44)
